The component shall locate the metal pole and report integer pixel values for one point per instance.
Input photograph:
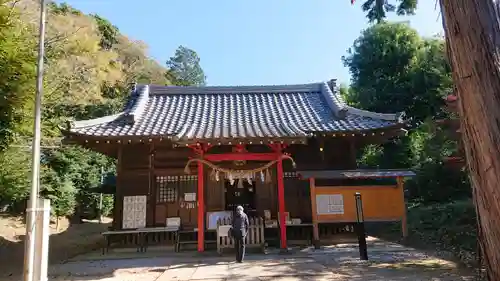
(35, 178)
(360, 227)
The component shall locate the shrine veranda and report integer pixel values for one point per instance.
(187, 156)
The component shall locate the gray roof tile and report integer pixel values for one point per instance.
(243, 112)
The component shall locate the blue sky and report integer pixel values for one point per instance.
(254, 42)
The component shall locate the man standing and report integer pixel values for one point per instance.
(240, 230)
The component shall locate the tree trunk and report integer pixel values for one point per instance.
(473, 35)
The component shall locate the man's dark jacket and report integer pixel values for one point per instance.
(240, 225)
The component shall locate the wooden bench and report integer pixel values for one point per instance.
(149, 230)
(136, 236)
(139, 235)
(181, 235)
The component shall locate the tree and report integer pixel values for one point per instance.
(472, 30)
(376, 9)
(393, 69)
(82, 169)
(60, 191)
(108, 32)
(14, 178)
(17, 75)
(184, 68)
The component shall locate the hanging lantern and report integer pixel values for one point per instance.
(262, 176)
(217, 176)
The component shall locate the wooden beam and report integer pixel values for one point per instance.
(118, 200)
(241, 156)
(314, 212)
(404, 222)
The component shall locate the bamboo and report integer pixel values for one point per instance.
(473, 36)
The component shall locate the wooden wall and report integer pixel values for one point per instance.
(144, 167)
(380, 203)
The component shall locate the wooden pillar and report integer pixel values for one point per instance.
(352, 154)
(201, 209)
(404, 223)
(118, 200)
(314, 212)
(281, 203)
(151, 203)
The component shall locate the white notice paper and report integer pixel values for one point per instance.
(330, 204)
(189, 197)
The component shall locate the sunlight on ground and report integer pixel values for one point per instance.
(427, 264)
(12, 228)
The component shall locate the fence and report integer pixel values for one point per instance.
(254, 238)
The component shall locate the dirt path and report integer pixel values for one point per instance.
(65, 242)
(387, 262)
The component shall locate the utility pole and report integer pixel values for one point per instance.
(31, 211)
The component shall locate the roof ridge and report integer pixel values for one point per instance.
(292, 88)
(399, 117)
(71, 124)
(139, 104)
(341, 109)
(333, 99)
(131, 113)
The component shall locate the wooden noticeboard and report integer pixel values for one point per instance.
(134, 211)
(330, 204)
(380, 203)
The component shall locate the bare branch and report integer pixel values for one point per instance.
(61, 37)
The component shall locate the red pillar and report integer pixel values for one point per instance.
(201, 209)
(281, 203)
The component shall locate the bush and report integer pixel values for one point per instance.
(449, 227)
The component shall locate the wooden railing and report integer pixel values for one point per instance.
(254, 238)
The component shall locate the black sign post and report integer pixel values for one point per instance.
(360, 227)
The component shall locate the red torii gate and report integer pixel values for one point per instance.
(201, 149)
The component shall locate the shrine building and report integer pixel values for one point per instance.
(190, 155)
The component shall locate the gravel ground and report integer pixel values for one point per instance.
(387, 262)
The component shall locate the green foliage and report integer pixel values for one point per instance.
(108, 32)
(449, 226)
(371, 156)
(14, 178)
(60, 191)
(436, 182)
(395, 70)
(82, 169)
(63, 8)
(17, 73)
(88, 68)
(376, 10)
(184, 68)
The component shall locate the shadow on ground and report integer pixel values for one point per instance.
(341, 263)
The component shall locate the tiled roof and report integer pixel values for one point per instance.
(357, 174)
(188, 114)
